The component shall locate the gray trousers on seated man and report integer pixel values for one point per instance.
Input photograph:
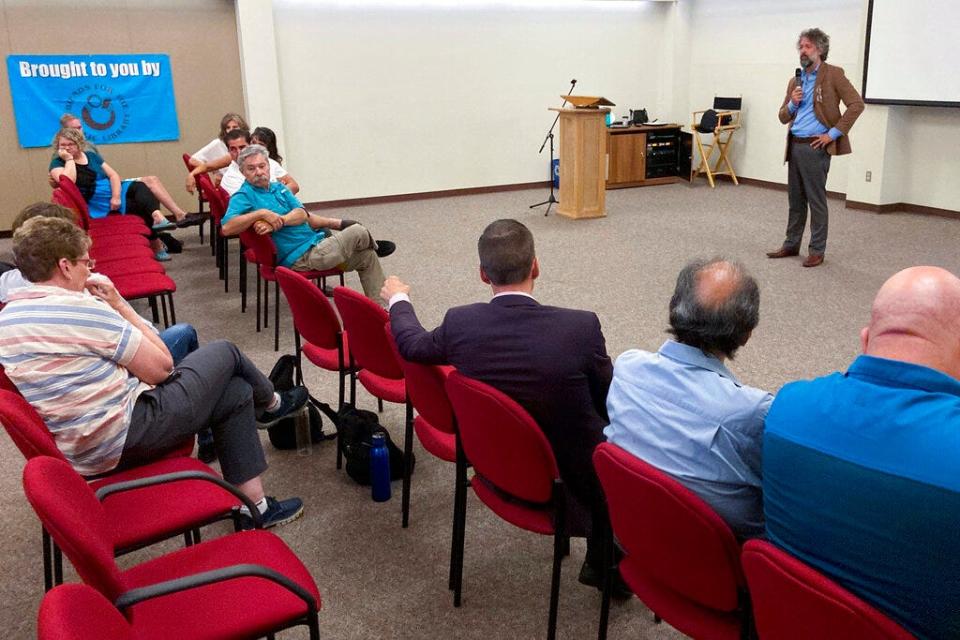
(807, 186)
(352, 249)
(214, 387)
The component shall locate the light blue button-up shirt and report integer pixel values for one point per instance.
(685, 413)
(806, 125)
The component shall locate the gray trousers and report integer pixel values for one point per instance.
(214, 387)
(351, 249)
(807, 186)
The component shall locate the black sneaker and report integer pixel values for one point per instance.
(384, 248)
(593, 578)
(291, 401)
(278, 512)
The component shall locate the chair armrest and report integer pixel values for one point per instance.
(165, 478)
(135, 596)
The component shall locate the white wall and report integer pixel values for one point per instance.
(382, 99)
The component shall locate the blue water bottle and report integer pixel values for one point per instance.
(379, 468)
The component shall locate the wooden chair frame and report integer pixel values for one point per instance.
(728, 122)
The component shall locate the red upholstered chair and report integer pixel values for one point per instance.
(378, 368)
(680, 557)
(217, 199)
(243, 585)
(79, 612)
(200, 200)
(265, 252)
(69, 196)
(140, 517)
(317, 330)
(516, 475)
(792, 601)
(434, 425)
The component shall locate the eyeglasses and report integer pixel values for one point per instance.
(90, 262)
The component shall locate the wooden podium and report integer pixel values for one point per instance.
(583, 163)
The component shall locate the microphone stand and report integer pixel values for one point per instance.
(550, 201)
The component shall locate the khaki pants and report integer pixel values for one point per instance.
(351, 250)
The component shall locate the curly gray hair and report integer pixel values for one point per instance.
(819, 39)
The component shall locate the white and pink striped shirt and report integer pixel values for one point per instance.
(66, 351)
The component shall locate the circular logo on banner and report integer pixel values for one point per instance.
(105, 116)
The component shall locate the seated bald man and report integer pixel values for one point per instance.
(861, 470)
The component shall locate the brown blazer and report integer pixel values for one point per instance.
(831, 89)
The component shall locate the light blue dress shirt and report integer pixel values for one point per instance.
(683, 412)
(806, 125)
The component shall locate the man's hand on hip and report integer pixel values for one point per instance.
(822, 140)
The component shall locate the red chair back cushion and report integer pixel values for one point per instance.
(263, 248)
(26, 427)
(72, 199)
(313, 315)
(501, 440)
(76, 521)
(363, 321)
(792, 601)
(669, 533)
(425, 387)
(218, 204)
(77, 612)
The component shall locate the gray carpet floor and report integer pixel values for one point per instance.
(381, 581)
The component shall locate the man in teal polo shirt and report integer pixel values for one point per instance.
(304, 241)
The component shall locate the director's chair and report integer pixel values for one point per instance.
(722, 121)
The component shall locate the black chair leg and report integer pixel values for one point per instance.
(163, 307)
(243, 282)
(196, 536)
(258, 299)
(276, 316)
(407, 470)
(379, 405)
(154, 311)
(266, 304)
(173, 312)
(609, 564)
(187, 539)
(460, 526)
(57, 565)
(314, 625)
(47, 561)
(226, 265)
(555, 585)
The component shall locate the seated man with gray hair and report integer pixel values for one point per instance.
(682, 411)
(304, 241)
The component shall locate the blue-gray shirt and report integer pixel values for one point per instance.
(805, 124)
(685, 413)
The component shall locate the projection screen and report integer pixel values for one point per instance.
(910, 55)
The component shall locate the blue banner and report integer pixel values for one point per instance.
(118, 98)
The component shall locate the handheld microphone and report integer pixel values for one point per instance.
(797, 74)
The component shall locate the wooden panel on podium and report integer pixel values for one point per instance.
(583, 164)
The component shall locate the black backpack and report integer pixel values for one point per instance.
(283, 435)
(355, 428)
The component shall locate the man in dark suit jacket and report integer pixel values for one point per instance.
(552, 361)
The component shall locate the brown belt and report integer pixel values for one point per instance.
(797, 140)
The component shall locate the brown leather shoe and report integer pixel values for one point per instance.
(783, 252)
(813, 260)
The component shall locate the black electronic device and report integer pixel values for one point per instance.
(639, 116)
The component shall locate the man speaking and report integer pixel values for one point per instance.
(817, 130)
